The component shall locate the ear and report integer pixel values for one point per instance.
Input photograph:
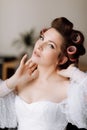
(63, 60)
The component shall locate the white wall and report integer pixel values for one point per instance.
(18, 16)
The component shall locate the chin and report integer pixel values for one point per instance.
(35, 59)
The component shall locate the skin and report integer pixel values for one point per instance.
(48, 84)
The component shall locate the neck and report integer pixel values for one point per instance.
(46, 73)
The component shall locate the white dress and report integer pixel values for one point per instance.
(46, 115)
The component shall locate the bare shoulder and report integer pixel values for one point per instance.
(62, 89)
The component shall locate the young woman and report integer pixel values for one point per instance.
(57, 93)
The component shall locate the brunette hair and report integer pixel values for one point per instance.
(72, 46)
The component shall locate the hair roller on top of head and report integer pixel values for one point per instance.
(77, 37)
(72, 46)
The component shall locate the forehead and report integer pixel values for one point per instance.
(53, 35)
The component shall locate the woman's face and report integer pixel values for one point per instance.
(47, 48)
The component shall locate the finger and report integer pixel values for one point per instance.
(28, 62)
(33, 67)
(23, 60)
(31, 70)
(32, 64)
(35, 74)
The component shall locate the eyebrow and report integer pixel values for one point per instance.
(52, 42)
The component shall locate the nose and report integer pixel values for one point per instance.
(40, 46)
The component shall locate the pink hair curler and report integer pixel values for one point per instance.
(71, 50)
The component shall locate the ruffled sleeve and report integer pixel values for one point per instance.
(7, 111)
(76, 109)
(4, 90)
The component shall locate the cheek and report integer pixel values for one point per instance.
(51, 56)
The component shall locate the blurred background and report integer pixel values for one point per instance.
(22, 20)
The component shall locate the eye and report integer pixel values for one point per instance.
(41, 37)
(51, 46)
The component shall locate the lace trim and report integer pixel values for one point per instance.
(7, 111)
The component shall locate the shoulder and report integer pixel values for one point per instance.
(62, 88)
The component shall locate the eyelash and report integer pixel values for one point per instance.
(41, 37)
(51, 46)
